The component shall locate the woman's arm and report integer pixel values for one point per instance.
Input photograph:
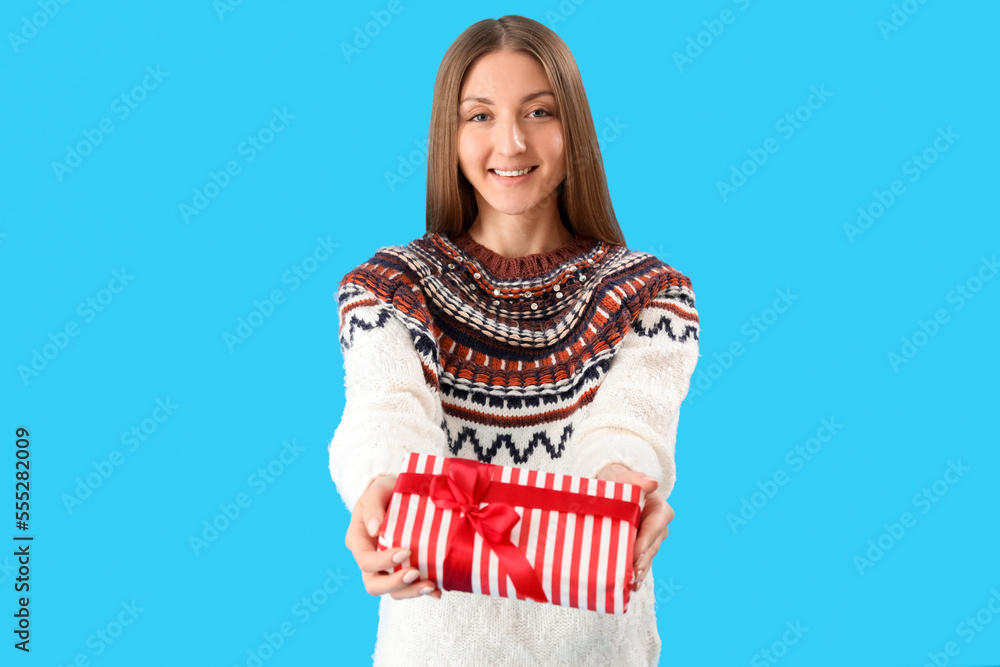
(389, 408)
(633, 417)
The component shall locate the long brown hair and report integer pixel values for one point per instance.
(583, 200)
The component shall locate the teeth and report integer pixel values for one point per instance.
(512, 173)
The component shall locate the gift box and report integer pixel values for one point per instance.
(515, 533)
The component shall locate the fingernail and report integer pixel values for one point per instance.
(640, 575)
(638, 585)
(400, 556)
(411, 576)
(373, 524)
(427, 590)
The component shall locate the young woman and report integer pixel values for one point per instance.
(518, 330)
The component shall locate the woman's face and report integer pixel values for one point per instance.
(508, 121)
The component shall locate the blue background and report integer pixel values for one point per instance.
(683, 127)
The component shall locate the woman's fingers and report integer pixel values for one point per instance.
(657, 514)
(400, 585)
(365, 551)
(382, 561)
(378, 577)
(357, 539)
(377, 566)
(414, 590)
(369, 512)
(373, 503)
(616, 472)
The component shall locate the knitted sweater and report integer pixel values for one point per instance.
(562, 361)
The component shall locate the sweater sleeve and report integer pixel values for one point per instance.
(389, 408)
(634, 414)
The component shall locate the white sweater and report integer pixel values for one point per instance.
(562, 361)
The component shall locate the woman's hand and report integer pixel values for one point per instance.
(362, 540)
(656, 514)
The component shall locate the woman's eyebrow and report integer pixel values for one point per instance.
(526, 98)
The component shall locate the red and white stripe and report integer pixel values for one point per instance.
(583, 561)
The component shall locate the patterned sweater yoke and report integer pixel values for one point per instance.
(516, 349)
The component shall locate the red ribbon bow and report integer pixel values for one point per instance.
(460, 486)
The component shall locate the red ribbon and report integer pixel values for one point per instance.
(461, 487)
(464, 485)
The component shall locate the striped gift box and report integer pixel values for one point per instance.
(515, 533)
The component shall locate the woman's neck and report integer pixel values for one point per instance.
(519, 240)
(509, 267)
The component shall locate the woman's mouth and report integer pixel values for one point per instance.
(512, 177)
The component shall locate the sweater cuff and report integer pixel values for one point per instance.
(620, 446)
(381, 459)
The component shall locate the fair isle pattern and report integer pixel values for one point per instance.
(516, 360)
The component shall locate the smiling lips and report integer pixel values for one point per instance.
(513, 173)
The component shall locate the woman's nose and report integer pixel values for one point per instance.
(509, 137)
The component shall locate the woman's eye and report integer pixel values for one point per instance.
(545, 112)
